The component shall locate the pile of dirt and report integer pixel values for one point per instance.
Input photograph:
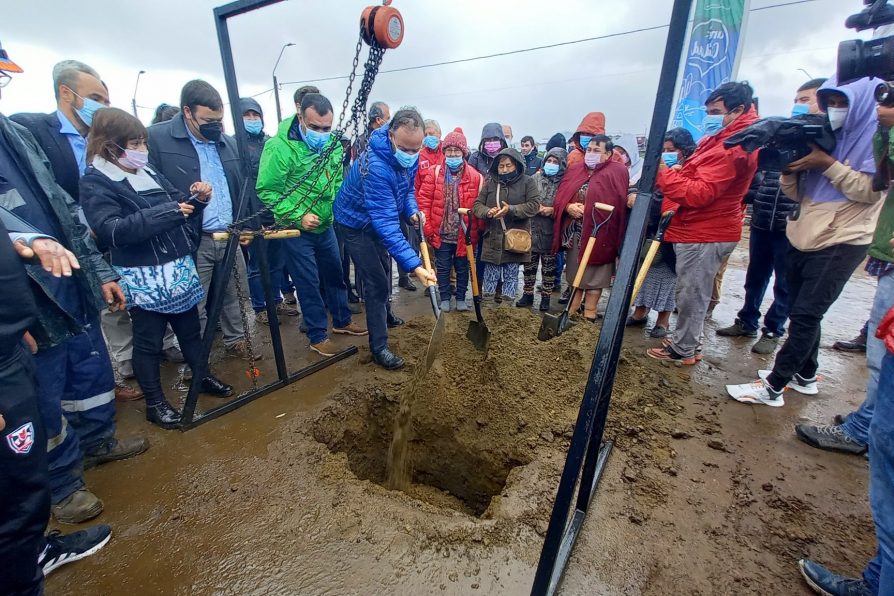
(479, 418)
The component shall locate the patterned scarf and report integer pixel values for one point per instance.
(572, 232)
(450, 222)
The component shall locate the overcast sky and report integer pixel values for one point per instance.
(538, 93)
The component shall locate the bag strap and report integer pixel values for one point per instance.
(500, 206)
(437, 171)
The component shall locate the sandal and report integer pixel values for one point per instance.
(668, 342)
(669, 355)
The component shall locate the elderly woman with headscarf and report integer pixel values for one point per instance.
(660, 287)
(542, 229)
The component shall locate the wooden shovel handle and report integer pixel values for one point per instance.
(582, 265)
(426, 260)
(644, 269)
(268, 235)
(470, 256)
(603, 207)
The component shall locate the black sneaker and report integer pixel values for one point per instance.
(526, 301)
(394, 322)
(62, 549)
(388, 359)
(830, 438)
(737, 329)
(858, 344)
(407, 284)
(565, 297)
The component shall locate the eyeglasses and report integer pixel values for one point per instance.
(4, 79)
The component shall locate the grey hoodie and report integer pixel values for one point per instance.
(480, 160)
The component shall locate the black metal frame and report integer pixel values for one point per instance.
(587, 455)
(223, 272)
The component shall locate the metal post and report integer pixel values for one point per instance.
(586, 450)
(133, 101)
(276, 83)
(260, 251)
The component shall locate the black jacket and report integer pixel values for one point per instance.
(770, 207)
(140, 228)
(18, 315)
(532, 163)
(45, 128)
(172, 155)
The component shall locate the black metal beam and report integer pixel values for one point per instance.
(585, 452)
(239, 7)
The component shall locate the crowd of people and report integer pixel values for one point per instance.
(111, 253)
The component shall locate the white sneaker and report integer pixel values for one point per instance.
(757, 393)
(798, 383)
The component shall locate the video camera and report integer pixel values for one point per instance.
(784, 140)
(873, 58)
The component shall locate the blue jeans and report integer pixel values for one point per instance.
(766, 256)
(445, 258)
(879, 574)
(373, 264)
(76, 399)
(857, 423)
(276, 259)
(313, 258)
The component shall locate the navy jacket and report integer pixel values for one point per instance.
(140, 228)
(45, 128)
(172, 155)
(381, 199)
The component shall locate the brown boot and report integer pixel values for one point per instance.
(114, 450)
(324, 348)
(350, 329)
(240, 350)
(78, 507)
(124, 392)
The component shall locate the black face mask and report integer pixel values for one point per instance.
(509, 177)
(211, 130)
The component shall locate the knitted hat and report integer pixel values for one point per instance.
(457, 139)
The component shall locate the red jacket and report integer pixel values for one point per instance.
(709, 188)
(431, 202)
(885, 331)
(428, 159)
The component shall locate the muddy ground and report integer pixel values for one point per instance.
(701, 495)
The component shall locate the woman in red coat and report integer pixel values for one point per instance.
(595, 179)
(444, 190)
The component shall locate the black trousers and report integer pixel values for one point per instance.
(148, 335)
(24, 478)
(815, 280)
(373, 265)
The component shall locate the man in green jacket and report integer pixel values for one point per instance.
(314, 260)
(851, 435)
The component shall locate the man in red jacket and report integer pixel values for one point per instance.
(706, 194)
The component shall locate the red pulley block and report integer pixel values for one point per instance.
(382, 26)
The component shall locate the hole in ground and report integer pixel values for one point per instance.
(447, 471)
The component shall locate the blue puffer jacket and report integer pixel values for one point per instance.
(380, 199)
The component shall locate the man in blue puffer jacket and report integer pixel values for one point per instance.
(376, 194)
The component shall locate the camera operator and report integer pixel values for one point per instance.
(768, 247)
(829, 233)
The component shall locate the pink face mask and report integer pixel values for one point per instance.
(492, 147)
(592, 159)
(134, 159)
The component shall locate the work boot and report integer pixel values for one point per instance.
(526, 301)
(830, 438)
(240, 350)
(163, 414)
(565, 297)
(388, 359)
(325, 348)
(214, 386)
(406, 283)
(394, 321)
(767, 344)
(62, 549)
(262, 317)
(124, 392)
(173, 354)
(544, 303)
(351, 329)
(289, 298)
(115, 449)
(823, 581)
(77, 507)
(858, 344)
(737, 329)
(284, 309)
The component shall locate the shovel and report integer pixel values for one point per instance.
(437, 336)
(477, 333)
(554, 325)
(653, 250)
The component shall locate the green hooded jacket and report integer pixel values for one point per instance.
(884, 230)
(285, 159)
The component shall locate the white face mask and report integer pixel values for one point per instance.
(837, 116)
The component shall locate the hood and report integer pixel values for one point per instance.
(855, 137)
(514, 154)
(248, 103)
(629, 144)
(592, 124)
(557, 140)
(492, 129)
(561, 154)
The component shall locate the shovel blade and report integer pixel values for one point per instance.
(434, 344)
(479, 335)
(552, 326)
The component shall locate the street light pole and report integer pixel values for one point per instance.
(133, 102)
(276, 83)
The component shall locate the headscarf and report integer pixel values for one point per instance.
(854, 138)
(557, 140)
(628, 143)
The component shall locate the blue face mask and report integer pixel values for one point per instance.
(253, 127)
(799, 109)
(584, 141)
(86, 113)
(453, 163)
(315, 140)
(670, 158)
(431, 142)
(404, 159)
(712, 124)
(550, 169)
